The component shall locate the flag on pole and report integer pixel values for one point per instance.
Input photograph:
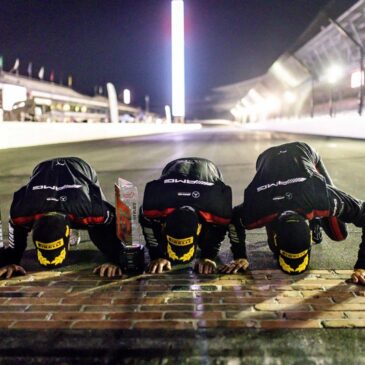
(30, 68)
(16, 66)
(41, 73)
(51, 76)
(69, 81)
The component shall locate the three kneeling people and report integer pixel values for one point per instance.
(188, 208)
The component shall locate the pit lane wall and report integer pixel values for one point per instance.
(347, 126)
(25, 134)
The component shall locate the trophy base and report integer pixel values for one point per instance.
(133, 258)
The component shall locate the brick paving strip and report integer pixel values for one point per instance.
(181, 299)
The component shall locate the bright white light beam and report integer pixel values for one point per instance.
(177, 58)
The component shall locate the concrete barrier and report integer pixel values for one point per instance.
(24, 134)
(348, 126)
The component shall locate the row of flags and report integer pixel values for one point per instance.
(41, 72)
(98, 90)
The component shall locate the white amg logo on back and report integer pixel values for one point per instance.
(286, 182)
(57, 188)
(187, 181)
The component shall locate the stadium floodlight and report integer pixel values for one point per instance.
(272, 104)
(234, 112)
(126, 96)
(284, 75)
(289, 97)
(238, 112)
(177, 58)
(361, 49)
(356, 79)
(245, 103)
(255, 96)
(334, 74)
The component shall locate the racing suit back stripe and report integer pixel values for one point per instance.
(83, 221)
(208, 217)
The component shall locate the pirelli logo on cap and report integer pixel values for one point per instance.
(184, 258)
(293, 255)
(180, 241)
(49, 246)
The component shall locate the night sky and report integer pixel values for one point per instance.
(127, 42)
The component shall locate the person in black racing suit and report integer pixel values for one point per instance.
(62, 193)
(291, 186)
(188, 206)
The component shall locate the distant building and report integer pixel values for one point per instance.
(26, 99)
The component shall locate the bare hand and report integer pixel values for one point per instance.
(9, 270)
(234, 266)
(205, 266)
(358, 276)
(108, 270)
(158, 266)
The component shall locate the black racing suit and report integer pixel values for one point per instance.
(194, 182)
(65, 185)
(293, 177)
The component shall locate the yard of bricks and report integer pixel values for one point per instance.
(182, 300)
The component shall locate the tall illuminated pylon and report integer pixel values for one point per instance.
(177, 57)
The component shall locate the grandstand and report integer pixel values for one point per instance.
(319, 75)
(26, 99)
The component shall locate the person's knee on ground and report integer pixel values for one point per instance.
(335, 229)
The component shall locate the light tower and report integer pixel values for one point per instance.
(177, 60)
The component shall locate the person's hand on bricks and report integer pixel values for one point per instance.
(109, 270)
(158, 266)
(10, 270)
(234, 266)
(205, 266)
(358, 276)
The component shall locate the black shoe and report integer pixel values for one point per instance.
(315, 227)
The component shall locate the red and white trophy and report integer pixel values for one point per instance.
(126, 205)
